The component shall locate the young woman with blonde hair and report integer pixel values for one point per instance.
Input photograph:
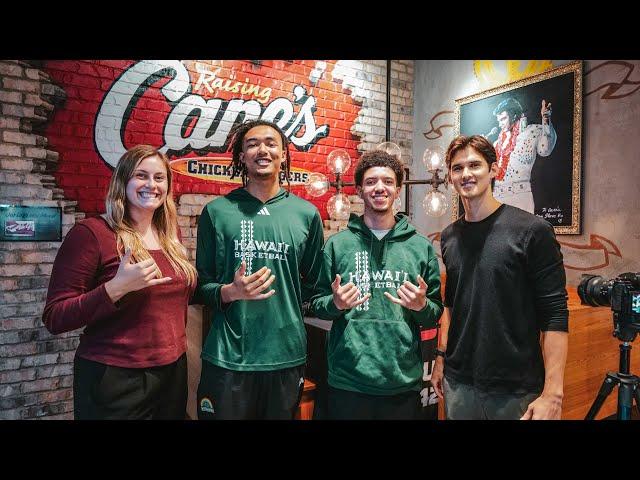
(125, 278)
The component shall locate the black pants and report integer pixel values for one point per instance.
(232, 395)
(346, 405)
(105, 392)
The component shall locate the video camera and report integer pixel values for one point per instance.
(622, 294)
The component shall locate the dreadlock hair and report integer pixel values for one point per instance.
(237, 138)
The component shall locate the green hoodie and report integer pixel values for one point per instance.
(284, 234)
(375, 347)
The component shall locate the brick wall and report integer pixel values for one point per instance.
(35, 367)
(49, 157)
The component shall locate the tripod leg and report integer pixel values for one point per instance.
(636, 395)
(625, 400)
(605, 390)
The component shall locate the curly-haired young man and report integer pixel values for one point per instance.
(380, 283)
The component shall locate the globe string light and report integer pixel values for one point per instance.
(435, 203)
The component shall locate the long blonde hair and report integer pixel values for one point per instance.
(165, 218)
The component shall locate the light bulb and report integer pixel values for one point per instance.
(317, 184)
(338, 161)
(433, 158)
(435, 203)
(339, 207)
(391, 148)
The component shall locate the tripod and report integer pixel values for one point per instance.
(627, 388)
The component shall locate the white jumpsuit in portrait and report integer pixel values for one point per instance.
(515, 188)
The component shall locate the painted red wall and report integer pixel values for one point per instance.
(83, 172)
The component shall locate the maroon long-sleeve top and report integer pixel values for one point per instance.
(144, 328)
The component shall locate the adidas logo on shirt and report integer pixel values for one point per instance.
(264, 211)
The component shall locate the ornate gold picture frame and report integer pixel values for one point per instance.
(540, 161)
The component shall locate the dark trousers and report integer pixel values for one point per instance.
(346, 405)
(105, 392)
(234, 395)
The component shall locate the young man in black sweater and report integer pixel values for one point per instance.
(503, 341)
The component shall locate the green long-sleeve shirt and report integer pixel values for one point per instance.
(284, 234)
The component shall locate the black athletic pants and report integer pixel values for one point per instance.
(346, 405)
(236, 395)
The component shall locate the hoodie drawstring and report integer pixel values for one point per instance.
(384, 253)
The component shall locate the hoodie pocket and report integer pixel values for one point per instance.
(379, 354)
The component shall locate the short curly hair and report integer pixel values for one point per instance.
(379, 158)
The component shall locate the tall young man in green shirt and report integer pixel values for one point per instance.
(380, 283)
(258, 256)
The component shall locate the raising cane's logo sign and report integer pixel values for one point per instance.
(188, 109)
(201, 125)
